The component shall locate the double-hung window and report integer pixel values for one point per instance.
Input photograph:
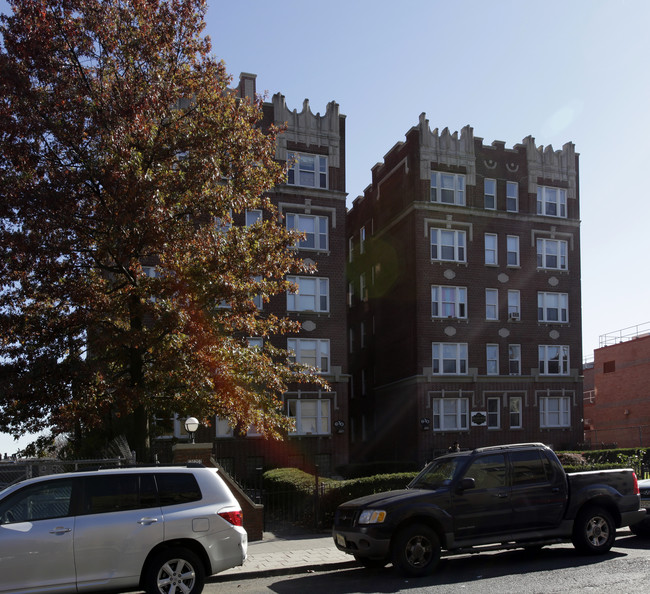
(491, 255)
(253, 216)
(307, 170)
(553, 359)
(553, 307)
(512, 196)
(512, 248)
(492, 359)
(312, 295)
(448, 245)
(490, 194)
(448, 302)
(494, 412)
(515, 410)
(551, 202)
(450, 414)
(491, 304)
(311, 415)
(448, 188)
(551, 254)
(315, 229)
(449, 358)
(555, 411)
(514, 304)
(314, 352)
(514, 359)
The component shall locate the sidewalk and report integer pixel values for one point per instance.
(290, 553)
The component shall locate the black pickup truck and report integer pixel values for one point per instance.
(499, 497)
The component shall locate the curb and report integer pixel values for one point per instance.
(246, 575)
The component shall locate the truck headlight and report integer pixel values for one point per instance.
(372, 516)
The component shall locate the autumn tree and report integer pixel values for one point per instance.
(126, 289)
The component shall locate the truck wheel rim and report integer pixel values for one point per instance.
(418, 551)
(597, 531)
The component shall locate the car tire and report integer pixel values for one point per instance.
(172, 568)
(594, 531)
(641, 529)
(370, 563)
(416, 550)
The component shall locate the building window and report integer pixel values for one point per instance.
(551, 202)
(315, 230)
(312, 416)
(490, 194)
(494, 413)
(552, 307)
(448, 188)
(350, 249)
(554, 411)
(448, 245)
(307, 170)
(553, 360)
(514, 359)
(512, 196)
(450, 414)
(491, 249)
(363, 287)
(310, 351)
(448, 302)
(362, 335)
(515, 408)
(449, 358)
(514, 305)
(512, 250)
(255, 343)
(492, 359)
(362, 240)
(609, 366)
(312, 295)
(491, 304)
(253, 216)
(552, 254)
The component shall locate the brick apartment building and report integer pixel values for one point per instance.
(313, 200)
(617, 390)
(464, 294)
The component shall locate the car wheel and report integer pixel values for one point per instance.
(173, 571)
(416, 550)
(594, 531)
(370, 563)
(641, 529)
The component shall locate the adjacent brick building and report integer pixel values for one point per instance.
(617, 390)
(464, 294)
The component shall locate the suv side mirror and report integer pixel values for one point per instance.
(465, 483)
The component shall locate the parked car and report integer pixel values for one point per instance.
(510, 496)
(162, 529)
(643, 527)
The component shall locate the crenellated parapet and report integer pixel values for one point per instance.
(446, 148)
(304, 127)
(545, 163)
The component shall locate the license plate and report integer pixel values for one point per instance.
(340, 540)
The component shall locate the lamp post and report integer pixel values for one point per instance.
(191, 425)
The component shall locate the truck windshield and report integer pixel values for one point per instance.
(437, 474)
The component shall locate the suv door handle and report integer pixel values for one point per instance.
(500, 495)
(60, 530)
(147, 521)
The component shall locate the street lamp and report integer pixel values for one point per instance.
(191, 425)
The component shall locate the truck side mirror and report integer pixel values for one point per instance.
(465, 483)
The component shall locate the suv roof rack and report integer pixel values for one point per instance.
(510, 446)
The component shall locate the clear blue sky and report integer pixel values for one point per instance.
(558, 70)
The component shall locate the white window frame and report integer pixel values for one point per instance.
(549, 302)
(490, 194)
(552, 248)
(514, 359)
(515, 411)
(512, 196)
(553, 359)
(315, 228)
(318, 298)
(363, 287)
(491, 249)
(320, 347)
(319, 420)
(450, 414)
(493, 412)
(307, 170)
(252, 217)
(448, 302)
(446, 355)
(448, 245)
(222, 429)
(514, 304)
(492, 359)
(554, 411)
(447, 188)
(512, 251)
(552, 202)
(491, 304)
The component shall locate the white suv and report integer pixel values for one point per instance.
(163, 529)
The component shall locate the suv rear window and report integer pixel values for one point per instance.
(177, 487)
